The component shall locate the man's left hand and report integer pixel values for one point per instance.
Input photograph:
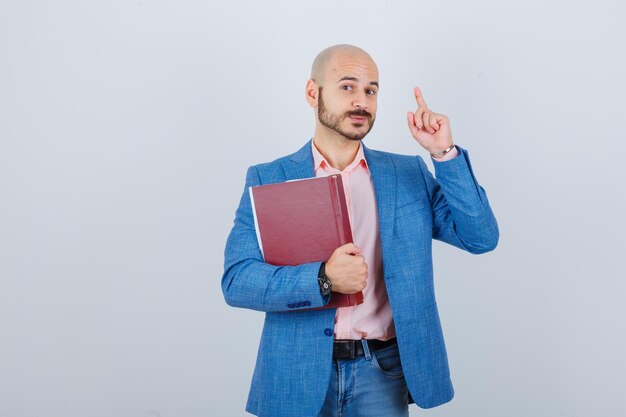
(431, 130)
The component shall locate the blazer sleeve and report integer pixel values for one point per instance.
(249, 282)
(462, 216)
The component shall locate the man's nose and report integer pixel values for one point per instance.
(359, 105)
(360, 101)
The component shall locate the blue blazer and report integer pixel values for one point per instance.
(295, 353)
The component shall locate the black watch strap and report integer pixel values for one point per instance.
(323, 281)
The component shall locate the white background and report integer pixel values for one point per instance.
(126, 128)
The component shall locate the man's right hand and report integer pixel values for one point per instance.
(346, 269)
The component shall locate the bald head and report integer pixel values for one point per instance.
(349, 78)
(325, 60)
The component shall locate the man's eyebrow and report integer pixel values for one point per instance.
(356, 79)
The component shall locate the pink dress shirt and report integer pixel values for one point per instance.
(372, 319)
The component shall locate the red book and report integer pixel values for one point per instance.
(302, 221)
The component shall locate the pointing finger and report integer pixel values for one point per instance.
(419, 98)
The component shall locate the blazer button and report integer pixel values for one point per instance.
(328, 332)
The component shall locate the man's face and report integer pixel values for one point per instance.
(348, 102)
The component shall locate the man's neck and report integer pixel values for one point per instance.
(338, 150)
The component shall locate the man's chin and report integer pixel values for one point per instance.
(355, 135)
(357, 132)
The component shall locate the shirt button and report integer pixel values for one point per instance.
(328, 332)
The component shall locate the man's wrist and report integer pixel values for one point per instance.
(439, 155)
(451, 154)
(323, 281)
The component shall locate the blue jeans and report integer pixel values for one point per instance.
(370, 385)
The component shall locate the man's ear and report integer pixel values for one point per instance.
(312, 93)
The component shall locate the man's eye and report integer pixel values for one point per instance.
(371, 92)
(346, 87)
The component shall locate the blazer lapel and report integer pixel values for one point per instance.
(383, 174)
(300, 164)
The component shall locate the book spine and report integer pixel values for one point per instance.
(343, 221)
(343, 218)
(334, 193)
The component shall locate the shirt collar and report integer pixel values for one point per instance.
(318, 159)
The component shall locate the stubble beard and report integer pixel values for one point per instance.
(333, 121)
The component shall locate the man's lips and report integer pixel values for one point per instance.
(358, 119)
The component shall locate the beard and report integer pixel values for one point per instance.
(333, 121)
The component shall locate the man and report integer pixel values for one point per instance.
(375, 358)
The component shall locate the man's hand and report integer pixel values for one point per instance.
(429, 129)
(346, 269)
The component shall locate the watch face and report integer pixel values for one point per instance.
(325, 285)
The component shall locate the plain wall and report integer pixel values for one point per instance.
(126, 128)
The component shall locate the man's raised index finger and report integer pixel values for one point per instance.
(419, 98)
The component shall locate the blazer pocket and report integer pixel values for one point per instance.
(412, 207)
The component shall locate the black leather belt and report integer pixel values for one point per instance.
(350, 349)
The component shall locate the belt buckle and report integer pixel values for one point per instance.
(352, 348)
(346, 349)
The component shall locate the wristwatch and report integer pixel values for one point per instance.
(323, 281)
(444, 152)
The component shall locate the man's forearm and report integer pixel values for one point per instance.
(249, 282)
(463, 216)
(260, 286)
